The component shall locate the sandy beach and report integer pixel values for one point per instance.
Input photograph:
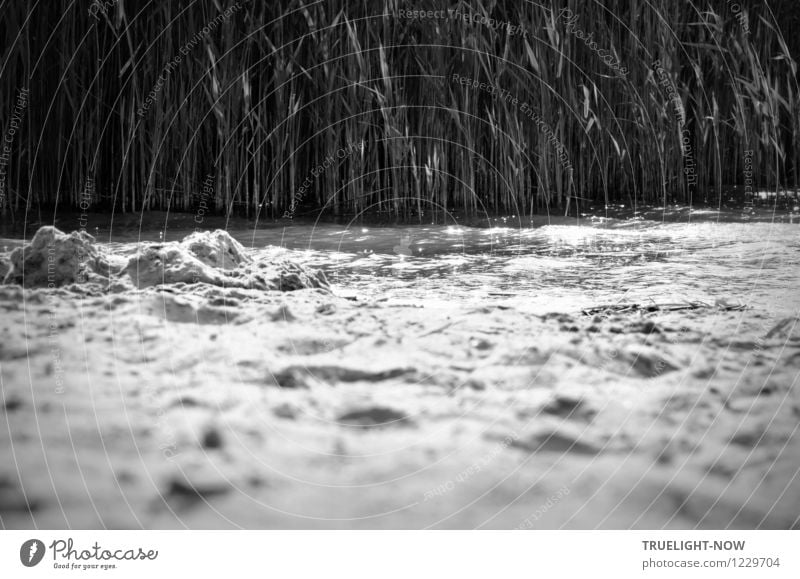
(560, 377)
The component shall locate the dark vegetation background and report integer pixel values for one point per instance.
(244, 112)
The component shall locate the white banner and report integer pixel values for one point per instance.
(398, 554)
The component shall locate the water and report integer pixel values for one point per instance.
(552, 267)
(549, 268)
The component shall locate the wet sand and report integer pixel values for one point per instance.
(389, 400)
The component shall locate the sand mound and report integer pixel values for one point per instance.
(194, 260)
(171, 263)
(5, 266)
(216, 249)
(55, 259)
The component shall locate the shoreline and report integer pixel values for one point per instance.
(152, 221)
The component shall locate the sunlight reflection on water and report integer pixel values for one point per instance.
(552, 266)
(752, 263)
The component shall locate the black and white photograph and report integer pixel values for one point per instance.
(383, 265)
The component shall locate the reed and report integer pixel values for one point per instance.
(148, 99)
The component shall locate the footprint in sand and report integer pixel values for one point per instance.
(374, 417)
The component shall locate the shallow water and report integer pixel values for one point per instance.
(555, 267)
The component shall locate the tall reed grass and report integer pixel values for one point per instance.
(276, 87)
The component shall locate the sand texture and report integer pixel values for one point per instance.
(171, 385)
